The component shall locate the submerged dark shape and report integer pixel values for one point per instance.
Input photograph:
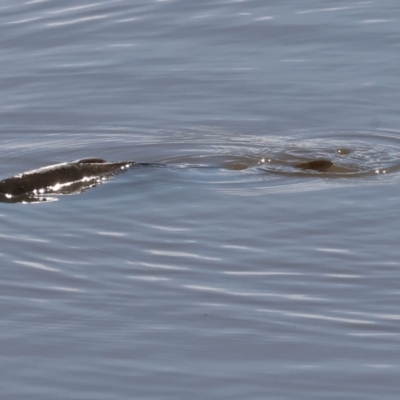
(316, 165)
(64, 178)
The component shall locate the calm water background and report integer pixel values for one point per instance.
(201, 283)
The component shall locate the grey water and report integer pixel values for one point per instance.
(226, 274)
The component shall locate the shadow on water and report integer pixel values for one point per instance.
(360, 156)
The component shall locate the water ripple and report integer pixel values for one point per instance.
(24, 238)
(76, 21)
(36, 265)
(320, 317)
(300, 297)
(76, 8)
(183, 255)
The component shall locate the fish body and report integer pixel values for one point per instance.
(78, 175)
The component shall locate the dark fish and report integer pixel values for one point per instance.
(70, 177)
(316, 165)
(79, 175)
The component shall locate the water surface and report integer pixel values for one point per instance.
(223, 275)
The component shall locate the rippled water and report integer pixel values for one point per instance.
(229, 272)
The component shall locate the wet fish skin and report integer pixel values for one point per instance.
(60, 174)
